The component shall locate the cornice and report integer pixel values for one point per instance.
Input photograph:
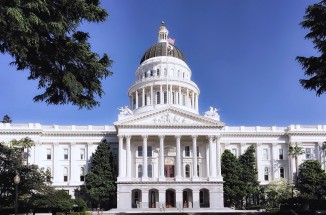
(201, 182)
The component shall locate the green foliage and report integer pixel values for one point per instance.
(295, 151)
(100, 181)
(231, 168)
(312, 180)
(42, 37)
(55, 200)
(276, 192)
(6, 119)
(249, 174)
(31, 178)
(315, 66)
(240, 176)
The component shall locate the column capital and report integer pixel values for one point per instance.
(161, 136)
(128, 137)
(258, 144)
(210, 137)
(320, 144)
(243, 144)
(177, 137)
(121, 136)
(274, 144)
(144, 137)
(194, 137)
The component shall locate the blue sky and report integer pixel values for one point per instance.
(241, 53)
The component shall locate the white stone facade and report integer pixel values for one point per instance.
(168, 154)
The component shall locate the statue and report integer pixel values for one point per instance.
(125, 111)
(212, 112)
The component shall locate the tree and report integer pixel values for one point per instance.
(277, 191)
(312, 180)
(23, 143)
(100, 181)
(42, 37)
(54, 200)
(295, 152)
(249, 174)
(31, 178)
(232, 186)
(6, 119)
(315, 66)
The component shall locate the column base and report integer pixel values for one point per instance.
(161, 178)
(178, 178)
(195, 178)
(144, 178)
(216, 178)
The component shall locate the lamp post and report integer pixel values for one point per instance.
(16, 181)
(78, 189)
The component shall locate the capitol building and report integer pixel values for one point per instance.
(168, 154)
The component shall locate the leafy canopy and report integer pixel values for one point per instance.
(42, 37)
(32, 179)
(315, 66)
(100, 181)
(312, 180)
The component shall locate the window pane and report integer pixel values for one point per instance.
(149, 171)
(140, 151)
(149, 151)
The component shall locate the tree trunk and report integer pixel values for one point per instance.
(296, 170)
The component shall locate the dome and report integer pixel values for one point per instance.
(160, 49)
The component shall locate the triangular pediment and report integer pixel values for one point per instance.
(169, 116)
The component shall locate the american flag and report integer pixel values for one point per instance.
(171, 40)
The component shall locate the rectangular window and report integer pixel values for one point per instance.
(158, 72)
(149, 151)
(150, 171)
(140, 151)
(145, 99)
(280, 154)
(65, 154)
(266, 174)
(158, 98)
(265, 154)
(48, 154)
(187, 151)
(309, 154)
(282, 172)
(165, 97)
(82, 154)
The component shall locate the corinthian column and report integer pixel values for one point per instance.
(121, 168)
(128, 156)
(145, 156)
(178, 157)
(161, 169)
(212, 157)
(194, 156)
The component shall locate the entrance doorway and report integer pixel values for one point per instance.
(170, 198)
(169, 171)
(187, 198)
(153, 196)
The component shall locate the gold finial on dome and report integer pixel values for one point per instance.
(162, 23)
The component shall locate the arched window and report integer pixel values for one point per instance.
(158, 98)
(165, 97)
(82, 174)
(266, 174)
(65, 174)
(140, 171)
(187, 171)
(150, 171)
(282, 173)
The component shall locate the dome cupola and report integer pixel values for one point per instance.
(163, 78)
